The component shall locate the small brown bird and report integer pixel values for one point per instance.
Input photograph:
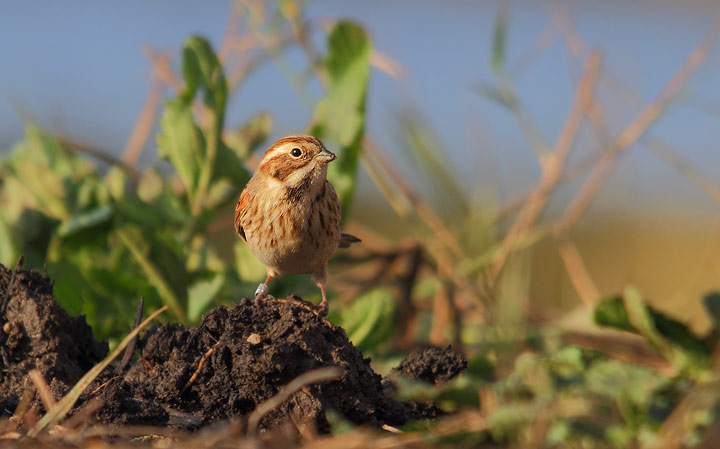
(289, 214)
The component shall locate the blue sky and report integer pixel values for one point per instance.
(77, 67)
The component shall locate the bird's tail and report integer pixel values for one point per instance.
(347, 239)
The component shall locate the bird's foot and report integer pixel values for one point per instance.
(323, 308)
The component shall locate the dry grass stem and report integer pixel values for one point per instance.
(201, 365)
(579, 276)
(311, 377)
(64, 406)
(43, 389)
(144, 123)
(552, 166)
(635, 130)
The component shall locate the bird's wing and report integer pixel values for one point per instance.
(347, 239)
(239, 209)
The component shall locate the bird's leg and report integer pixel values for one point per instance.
(262, 289)
(323, 307)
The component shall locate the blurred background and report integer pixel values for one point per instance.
(524, 176)
(484, 104)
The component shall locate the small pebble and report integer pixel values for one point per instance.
(253, 339)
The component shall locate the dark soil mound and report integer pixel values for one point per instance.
(250, 352)
(433, 365)
(36, 333)
(188, 377)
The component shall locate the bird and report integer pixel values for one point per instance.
(289, 213)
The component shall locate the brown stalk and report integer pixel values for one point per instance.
(672, 157)
(635, 130)
(231, 28)
(76, 145)
(552, 166)
(145, 122)
(661, 149)
(324, 374)
(424, 211)
(43, 389)
(200, 367)
(130, 350)
(579, 275)
(538, 47)
(161, 64)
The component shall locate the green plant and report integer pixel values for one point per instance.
(108, 239)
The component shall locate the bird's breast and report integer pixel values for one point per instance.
(295, 232)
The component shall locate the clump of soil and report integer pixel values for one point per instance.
(36, 333)
(188, 377)
(250, 351)
(433, 365)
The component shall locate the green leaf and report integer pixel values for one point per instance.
(619, 380)
(8, 250)
(247, 138)
(83, 220)
(132, 238)
(182, 143)
(201, 295)
(150, 186)
(712, 305)
(630, 313)
(611, 313)
(339, 117)
(499, 41)
(370, 320)
(116, 181)
(202, 71)
(247, 266)
(239, 144)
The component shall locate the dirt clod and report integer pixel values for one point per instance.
(38, 334)
(433, 365)
(254, 350)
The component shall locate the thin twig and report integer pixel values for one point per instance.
(145, 122)
(635, 130)
(579, 275)
(201, 365)
(130, 350)
(672, 157)
(104, 156)
(552, 166)
(161, 63)
(41, 386)
(311, 377)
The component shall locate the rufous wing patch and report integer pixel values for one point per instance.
(240, 207)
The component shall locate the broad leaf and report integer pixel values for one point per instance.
(202, 71)
(83, 220)
(370, 320)
(182, 143)
(339, 118)
(202, 293)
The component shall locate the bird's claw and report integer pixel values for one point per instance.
(323, 309)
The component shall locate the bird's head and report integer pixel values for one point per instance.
(296, 160)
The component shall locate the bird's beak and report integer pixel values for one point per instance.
(325, 156)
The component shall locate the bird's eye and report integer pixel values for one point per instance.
(296, 152)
